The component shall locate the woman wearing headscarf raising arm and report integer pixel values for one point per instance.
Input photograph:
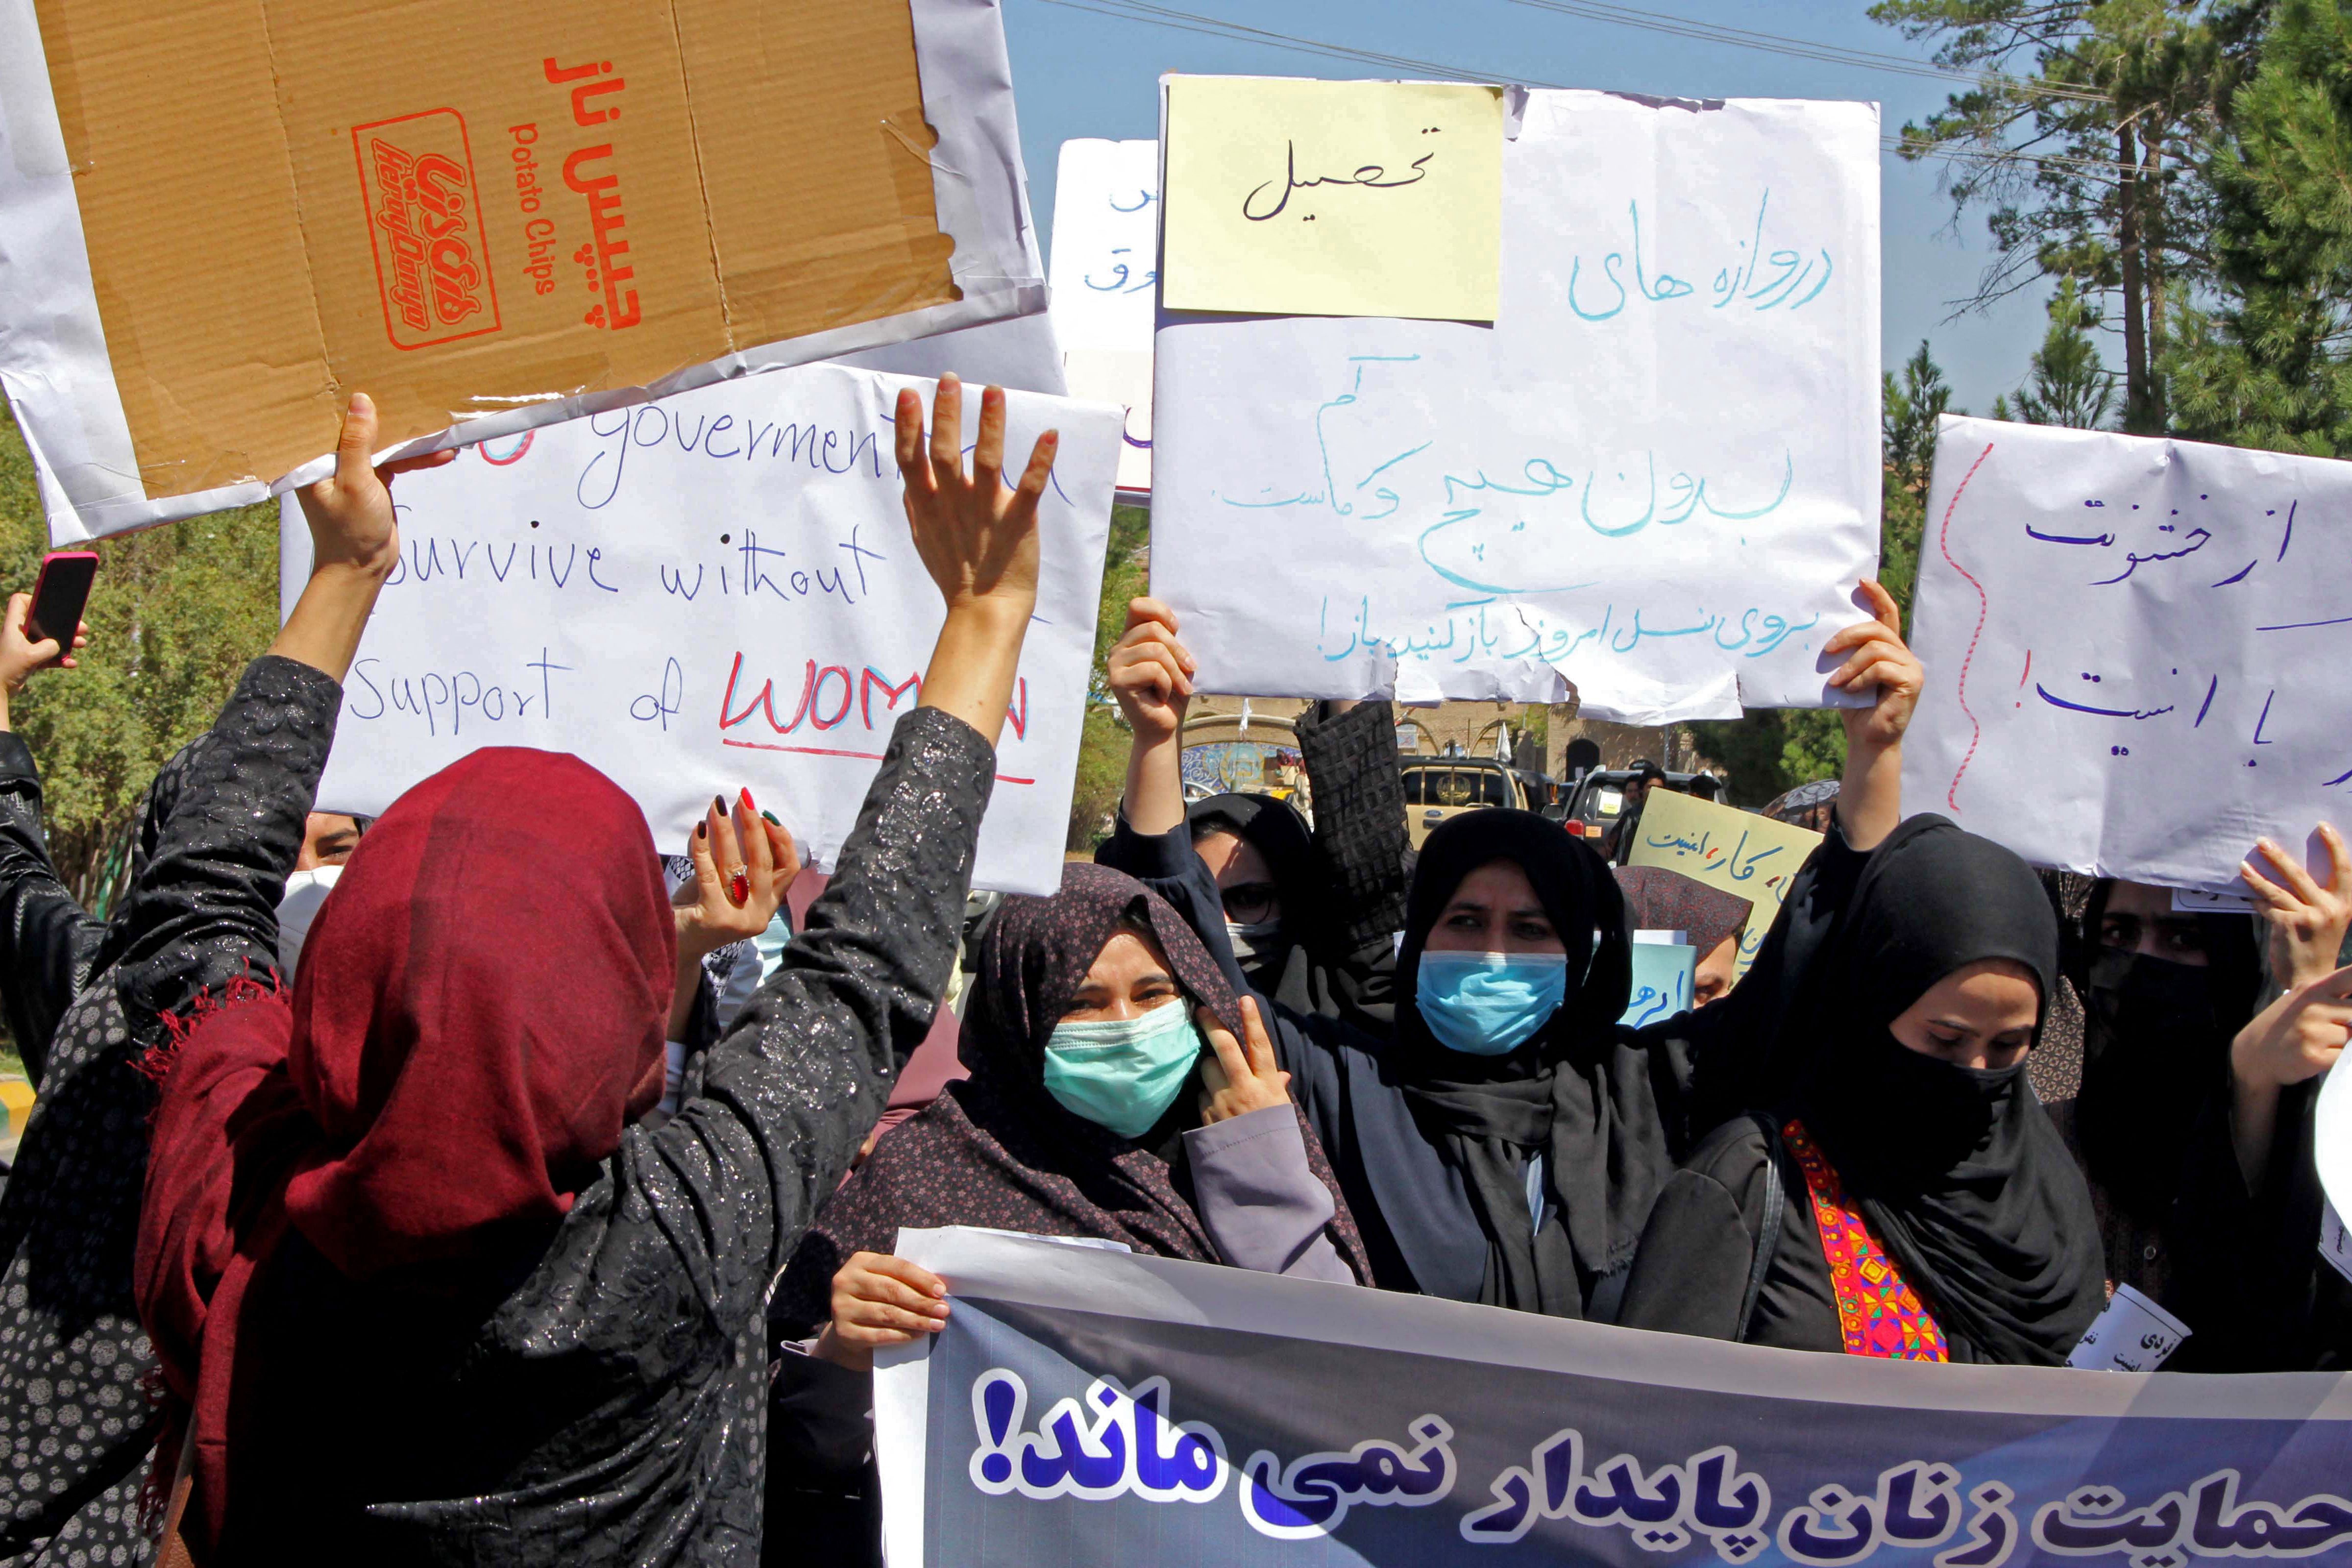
(217, 833)
(423, 1287)
(1507, 1146)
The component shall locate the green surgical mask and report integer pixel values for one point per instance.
(1123, 1073)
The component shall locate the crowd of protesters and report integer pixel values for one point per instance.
(470, 1185)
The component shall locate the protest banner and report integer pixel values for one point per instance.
(488, 223)
(1746, 856)
(1655, 476)
(2134, 649)
(712, 590)
(1085, 1407)
(1106, 276)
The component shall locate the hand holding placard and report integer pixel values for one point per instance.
(354, 546)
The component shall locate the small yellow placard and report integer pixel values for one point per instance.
(1746, 856)
(1333, 198)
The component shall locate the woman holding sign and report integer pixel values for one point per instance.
(1507, 1146)
(424, 1287)
(1111, 1098)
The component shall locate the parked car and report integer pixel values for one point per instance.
(1438, 787)
(1597, 798)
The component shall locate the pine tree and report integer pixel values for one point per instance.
(2066, 383)
(2080, 142)
(2272, 365)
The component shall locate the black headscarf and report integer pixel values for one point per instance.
(1958, 1171)
(1573, 1092)
(2156, 1049)
(1273, 828)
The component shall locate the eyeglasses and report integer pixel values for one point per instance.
(1248, 903)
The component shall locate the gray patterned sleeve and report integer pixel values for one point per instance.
(773, 1113)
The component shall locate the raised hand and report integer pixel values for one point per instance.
(20, 655)
(354, 545)
(1149, 673)
(1869, 794)
(2295, 1038)
(880, 1300)
(743, 861)
(979, 541)
(350, 511)
(1243, 1077)
(1878, 657)
(2306, 918)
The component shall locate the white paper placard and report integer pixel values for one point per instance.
(2134, 650)
(1657, 476)
(713, 591)
(2331, 1137)
(1105, 272)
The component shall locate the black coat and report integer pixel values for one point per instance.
(605, 1401)
(220, 832)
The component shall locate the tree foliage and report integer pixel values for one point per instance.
(175, 615)
(1103, 742)
(2270, 364)
(2081, 142)
(2065, 384)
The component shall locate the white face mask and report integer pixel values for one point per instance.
(305, 891)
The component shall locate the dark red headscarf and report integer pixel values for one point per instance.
(479, 1013)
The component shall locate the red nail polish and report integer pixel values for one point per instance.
(747, 806)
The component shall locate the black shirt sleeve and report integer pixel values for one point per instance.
(47, 941)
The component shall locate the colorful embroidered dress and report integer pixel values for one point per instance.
(1878, 1314)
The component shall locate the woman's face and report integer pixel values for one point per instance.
(1494, 911)
(1716, 970)
(1244, 881)
(2138, 920)
(1129, 979)
(1979, 1016)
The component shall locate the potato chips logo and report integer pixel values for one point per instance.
(417, 175)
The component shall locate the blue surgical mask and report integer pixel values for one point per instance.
(1489, 1004)
(1123, 1073)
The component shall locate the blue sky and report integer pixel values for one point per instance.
(1076, 73)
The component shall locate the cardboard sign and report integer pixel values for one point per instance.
(2134, 649)
(714, 591)
(1105, 276)
(224, 217)
(1655, 477)
(1333, 198)
(1750, 856)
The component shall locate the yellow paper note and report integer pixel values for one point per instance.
(1333, 198)
(1746, 856)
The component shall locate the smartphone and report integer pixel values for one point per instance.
(59, 597)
